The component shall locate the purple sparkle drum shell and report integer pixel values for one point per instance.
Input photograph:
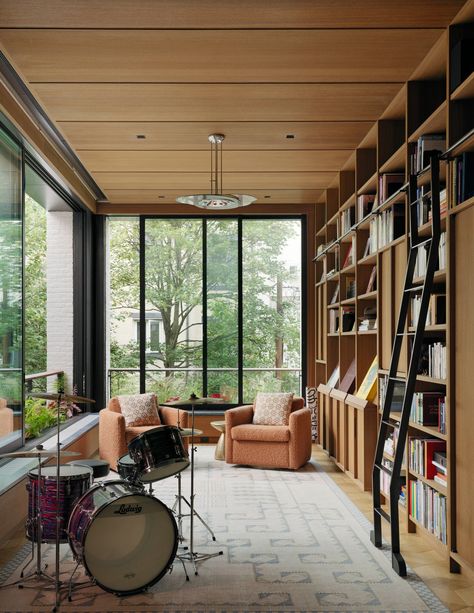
(73, 482)
(125, 539)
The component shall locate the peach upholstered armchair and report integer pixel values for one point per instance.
(269, 446)
(114, 435)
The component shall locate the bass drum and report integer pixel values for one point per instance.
(125, 539)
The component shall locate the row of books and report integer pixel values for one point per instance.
(433, 360)
(426, 145)
(347, 220)
(429, 508)
(365, 204)
(386, 227)
(420, 455)
(436, 314)
(422, 257)
(348, 319)
(462, 178)
(424, 209)
(385, 482)
(429, 409)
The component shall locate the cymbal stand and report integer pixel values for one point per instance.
(193, 556)
(57, 583)
(38, 573)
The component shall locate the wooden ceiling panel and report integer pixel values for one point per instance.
(177, 56)
(215, 102)
(189, 182)
(199, 161)
(153, 196)
(226, 14)
(117, 135)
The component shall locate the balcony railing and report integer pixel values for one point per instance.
(173, 382)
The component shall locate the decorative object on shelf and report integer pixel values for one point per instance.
(216, 200)
(312, 404)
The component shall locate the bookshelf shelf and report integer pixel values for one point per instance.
(431, 482)
(321, 231)
(333, 306)
(396, 162)
(368, 296)
(397, 198)
(465, 143)
(426, 229)
(432, 328)
(363, 224)
(467, 204)
(348, 301)
(347, 237)
(428, 430)
(465, 90)
(426, 379)
(367, 331)
(424, 176)
(369, 186)
(333, 334)
(439, 278)
(333, 220)
(369, 259)
(348, 270)
(436, 122)
(350, 333)
(348, 203)
(394, 243)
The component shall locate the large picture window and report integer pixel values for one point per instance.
(206, 306)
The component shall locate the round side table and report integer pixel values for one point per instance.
(219, 454)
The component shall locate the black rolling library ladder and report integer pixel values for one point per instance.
(392, 418)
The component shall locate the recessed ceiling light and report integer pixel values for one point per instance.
(290, 136)
(141, 136)
(267, 196)
(160, 196)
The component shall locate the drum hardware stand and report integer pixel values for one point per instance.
(38, 573)
(193, 556)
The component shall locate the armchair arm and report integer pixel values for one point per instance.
(112, 441)
(235, 417)
(300, 437)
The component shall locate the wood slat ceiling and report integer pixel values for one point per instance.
(175, 71)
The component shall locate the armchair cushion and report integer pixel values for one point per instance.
(139, 410)
(272, 409)
(269, 434)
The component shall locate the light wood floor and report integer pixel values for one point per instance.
(456, 591)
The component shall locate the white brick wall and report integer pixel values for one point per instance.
(59, 274)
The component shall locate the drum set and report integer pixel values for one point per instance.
(123, 536)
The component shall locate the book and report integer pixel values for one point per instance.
(365, 204)
(335, 296)
(389, 183)
(371, 285)
(348, 381)
(348, 318)
(425, 408)
(334, 378)
(426, 146)
(348, 260)
(368, 387)
(432, 445)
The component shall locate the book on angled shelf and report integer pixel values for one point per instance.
(367, 248)
(348, 381)
(349, 259)
(372, 284)
(365, 204)
(335, 295)
(347, 220)
(462, 177)
(368, 388)
(334, 378)
(389, 183)
(333, 321)
(350, 287)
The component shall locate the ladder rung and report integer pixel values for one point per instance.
(389, 423)
(415, 288)
(406, 333)
(399, 379)
(384, 468)
(383, 514)
(421, 243)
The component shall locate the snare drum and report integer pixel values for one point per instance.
(125, 539)
(73, 482)
(158, 453)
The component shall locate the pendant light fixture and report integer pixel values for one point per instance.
(216, 200)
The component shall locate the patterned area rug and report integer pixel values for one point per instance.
(291, 542)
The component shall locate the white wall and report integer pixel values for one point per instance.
(59, 275)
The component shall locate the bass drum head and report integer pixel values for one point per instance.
(130, 544)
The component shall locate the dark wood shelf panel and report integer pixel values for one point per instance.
(348, 203)
(396, 162)
(370, 186)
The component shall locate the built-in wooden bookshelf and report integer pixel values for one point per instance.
(434, 109)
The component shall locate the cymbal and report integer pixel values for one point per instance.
(51, 396)
(193, 401)
(34, 453)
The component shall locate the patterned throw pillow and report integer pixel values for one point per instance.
(272, 409)
(139, 410)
